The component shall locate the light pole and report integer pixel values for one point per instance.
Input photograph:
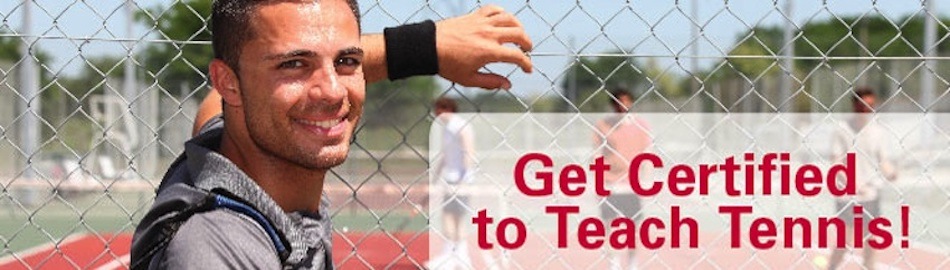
(788, 61)
(29, 89)
(929, 51)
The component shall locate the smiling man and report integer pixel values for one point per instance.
(246, 193)
(294, 97)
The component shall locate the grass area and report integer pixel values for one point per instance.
(385, 139)
(59, 216)
(395, 221)
(62, 216)
(55, 216)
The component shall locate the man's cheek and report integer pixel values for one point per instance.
(356, 97)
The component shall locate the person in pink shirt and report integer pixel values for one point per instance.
(620, 137)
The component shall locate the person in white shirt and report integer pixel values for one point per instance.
(865, 137)
(453, 167)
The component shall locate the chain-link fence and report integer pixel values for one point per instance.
(98, 97)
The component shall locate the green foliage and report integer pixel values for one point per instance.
(10, 52)
(50, 95)
(594, 77)
(93, 76)
(9, 49)
(589, 76)
(400, 103)
(850, 36)
(662, 80)
(758, 42)
(175, 64)
(492, 101)
(396, 113)
(869, 36)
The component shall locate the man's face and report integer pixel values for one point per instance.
(302, 82)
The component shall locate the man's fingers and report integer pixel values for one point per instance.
(489, 81)
(506, 20)
(490, 10)
(515, 56)
(516, 36)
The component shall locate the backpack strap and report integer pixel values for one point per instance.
(166, 223)
(220, 201)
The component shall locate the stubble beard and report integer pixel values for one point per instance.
(269, 140)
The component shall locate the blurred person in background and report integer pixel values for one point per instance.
(621, 136)
(454, 167)
(866, 138)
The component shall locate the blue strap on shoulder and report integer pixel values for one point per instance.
(220, 201)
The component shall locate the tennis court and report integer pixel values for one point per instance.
(98, 97)
(407, 250)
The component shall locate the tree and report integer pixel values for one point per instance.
(92, 78)
(589, 80)
(849, 36)
(10, 52)
(759, 41)
(9, 49)
(51, 96)
(761, 49)
(590, 75)
(396, 114)
(398, 103)
(183, 62)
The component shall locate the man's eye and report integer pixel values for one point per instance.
(347, 65)
(290, 64)
(347, 62)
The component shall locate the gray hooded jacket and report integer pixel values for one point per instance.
(208, 214)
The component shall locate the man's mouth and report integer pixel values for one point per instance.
(329, 128)
(323, 124)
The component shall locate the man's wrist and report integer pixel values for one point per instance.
(411, 51)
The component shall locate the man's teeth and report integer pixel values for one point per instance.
(322, 124)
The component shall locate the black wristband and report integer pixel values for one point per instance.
(410, 50)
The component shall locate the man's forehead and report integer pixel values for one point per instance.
(305, 18)
(304, 7)
(287, 8)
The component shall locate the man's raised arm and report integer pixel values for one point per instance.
(463, 45)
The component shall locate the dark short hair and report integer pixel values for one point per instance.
(861, 92)
(617, 93)
(446, 104)
(231, 26)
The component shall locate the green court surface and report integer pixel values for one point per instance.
(57, 217)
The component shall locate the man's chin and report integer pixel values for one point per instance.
(326, 158)
(331, 162)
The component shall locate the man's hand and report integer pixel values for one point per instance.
(466, 44)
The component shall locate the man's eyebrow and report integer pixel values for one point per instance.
(351, 50)
(290, 54)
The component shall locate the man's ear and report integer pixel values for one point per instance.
(225, 81)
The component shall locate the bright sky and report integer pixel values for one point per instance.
(645, 28)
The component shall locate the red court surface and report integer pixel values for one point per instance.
(78, 251)
(714, 252)
(88, 251)
(410, 251)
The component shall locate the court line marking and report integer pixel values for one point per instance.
(118, 263)
(41, 249)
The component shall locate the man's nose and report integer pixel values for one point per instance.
(326, 87)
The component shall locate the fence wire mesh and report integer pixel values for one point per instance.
(98, 97)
